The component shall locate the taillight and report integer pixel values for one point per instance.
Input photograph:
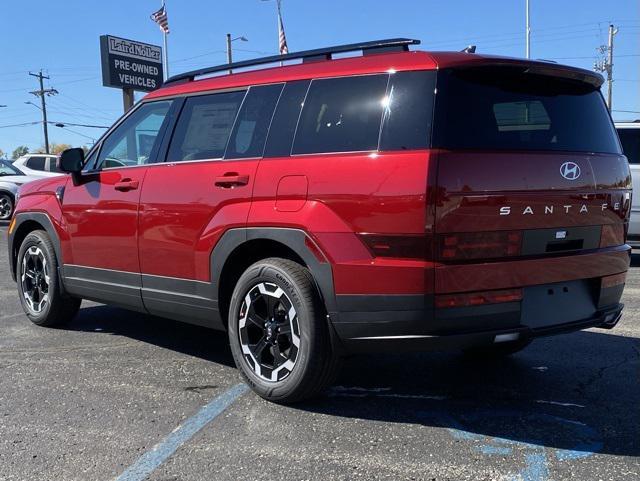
(612, 235)
(407, 246)
(614, 280)
(479, 245)
(478, 298)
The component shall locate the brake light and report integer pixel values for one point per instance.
(407, 246)
(612, 235)
(614, 280)
(480, 245)
(478, 298)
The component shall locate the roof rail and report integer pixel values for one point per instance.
(375, 46)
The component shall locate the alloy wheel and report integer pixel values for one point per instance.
(269, 332)
(6, 207)
(35, 279)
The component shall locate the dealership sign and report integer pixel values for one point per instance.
(127, 64)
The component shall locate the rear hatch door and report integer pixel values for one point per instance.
(528, 164)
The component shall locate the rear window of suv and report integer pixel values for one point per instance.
(36, 163)
(504, 108)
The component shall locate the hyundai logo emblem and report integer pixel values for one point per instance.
(570, 170)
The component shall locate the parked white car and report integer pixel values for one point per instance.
(11, 178)
(39, 165)
(629, 133)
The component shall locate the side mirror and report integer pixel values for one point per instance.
(71, 161)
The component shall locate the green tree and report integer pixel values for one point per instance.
(20, 151)
(2, 156)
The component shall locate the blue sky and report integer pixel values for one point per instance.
(62, 39)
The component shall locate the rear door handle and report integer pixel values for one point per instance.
(231, 179)
(126, 185)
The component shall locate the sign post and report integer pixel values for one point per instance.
(130, 65)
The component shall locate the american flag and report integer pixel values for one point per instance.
(160, 17)
(282, 39)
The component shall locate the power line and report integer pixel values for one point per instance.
(20, 125)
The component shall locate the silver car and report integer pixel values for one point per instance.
(11, 178)
(629, 133)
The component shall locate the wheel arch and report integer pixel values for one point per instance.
(239, 248)
(26, 222)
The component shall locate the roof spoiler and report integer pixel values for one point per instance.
(569, 73)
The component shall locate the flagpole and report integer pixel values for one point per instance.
(166, 51)
(279, 27)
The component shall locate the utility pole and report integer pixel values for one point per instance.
(606, 64)
(41, 93)
(229, 55)
(528, 31)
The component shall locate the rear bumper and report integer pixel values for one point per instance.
(363, 342)
(560, 294)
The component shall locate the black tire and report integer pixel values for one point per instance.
(494, 351)
(315, 364)
(55, 309)
(7, 204)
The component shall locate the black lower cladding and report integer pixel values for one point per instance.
(368, 322)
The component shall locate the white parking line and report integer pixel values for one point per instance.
(165, 448)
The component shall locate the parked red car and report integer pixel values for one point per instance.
(394, 200)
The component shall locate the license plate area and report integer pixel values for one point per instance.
(551, 241)
(559, 303)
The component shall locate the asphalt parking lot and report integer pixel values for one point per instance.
(91, 400)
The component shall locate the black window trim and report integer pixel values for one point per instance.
(376, 150)
(235, 120)
(304, 98)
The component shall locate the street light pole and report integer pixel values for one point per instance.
(229, 52)
(229, 55)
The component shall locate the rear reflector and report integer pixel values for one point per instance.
(407, 246)
(479, 245)
(478, 298)
(612, 281)
(512, 336)
(612, 235)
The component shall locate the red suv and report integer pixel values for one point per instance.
(392, 200)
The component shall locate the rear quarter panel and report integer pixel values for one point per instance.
(347, 194)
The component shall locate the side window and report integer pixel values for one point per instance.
(135, 140)
(408, 114)
(204, 126)
(36, 163)
(630, 139)
(250, 130)
(285, 119)
(90, 161)
(53, 165)
(341, 115)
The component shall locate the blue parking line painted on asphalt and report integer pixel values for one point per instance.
(537, 468)
(163, 450)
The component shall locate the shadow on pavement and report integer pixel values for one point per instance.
(188, 339)
(576, 394)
